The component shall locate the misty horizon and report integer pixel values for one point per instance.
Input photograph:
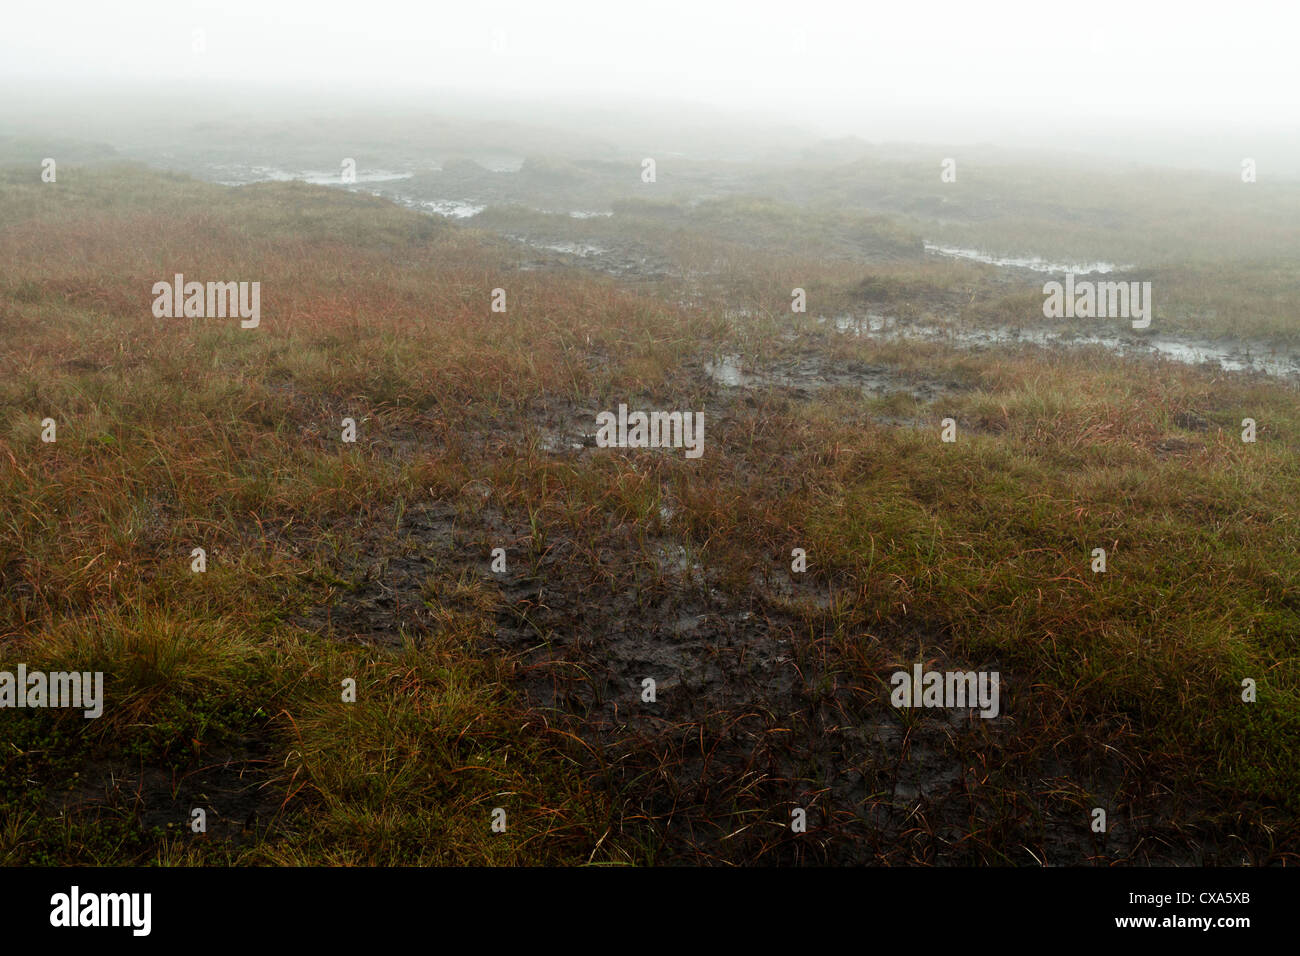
(1116, 81)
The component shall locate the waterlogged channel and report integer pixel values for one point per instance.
(241, 175)
(232, 174)
(1034, 263)
(1232, 357)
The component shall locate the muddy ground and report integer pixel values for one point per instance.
(756, 711)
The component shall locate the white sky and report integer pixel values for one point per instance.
(809, 59)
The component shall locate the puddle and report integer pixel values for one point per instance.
(555, 443)
(1240, 357)
(584, 214)
(814, 372)
(573, 248)
(452, 208)
(238, 175)
(335, 179)
(580, 249)
(1031, 262)
(857, 324)
(726, 372)
(675, 559)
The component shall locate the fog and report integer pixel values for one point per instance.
(1147, 83)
